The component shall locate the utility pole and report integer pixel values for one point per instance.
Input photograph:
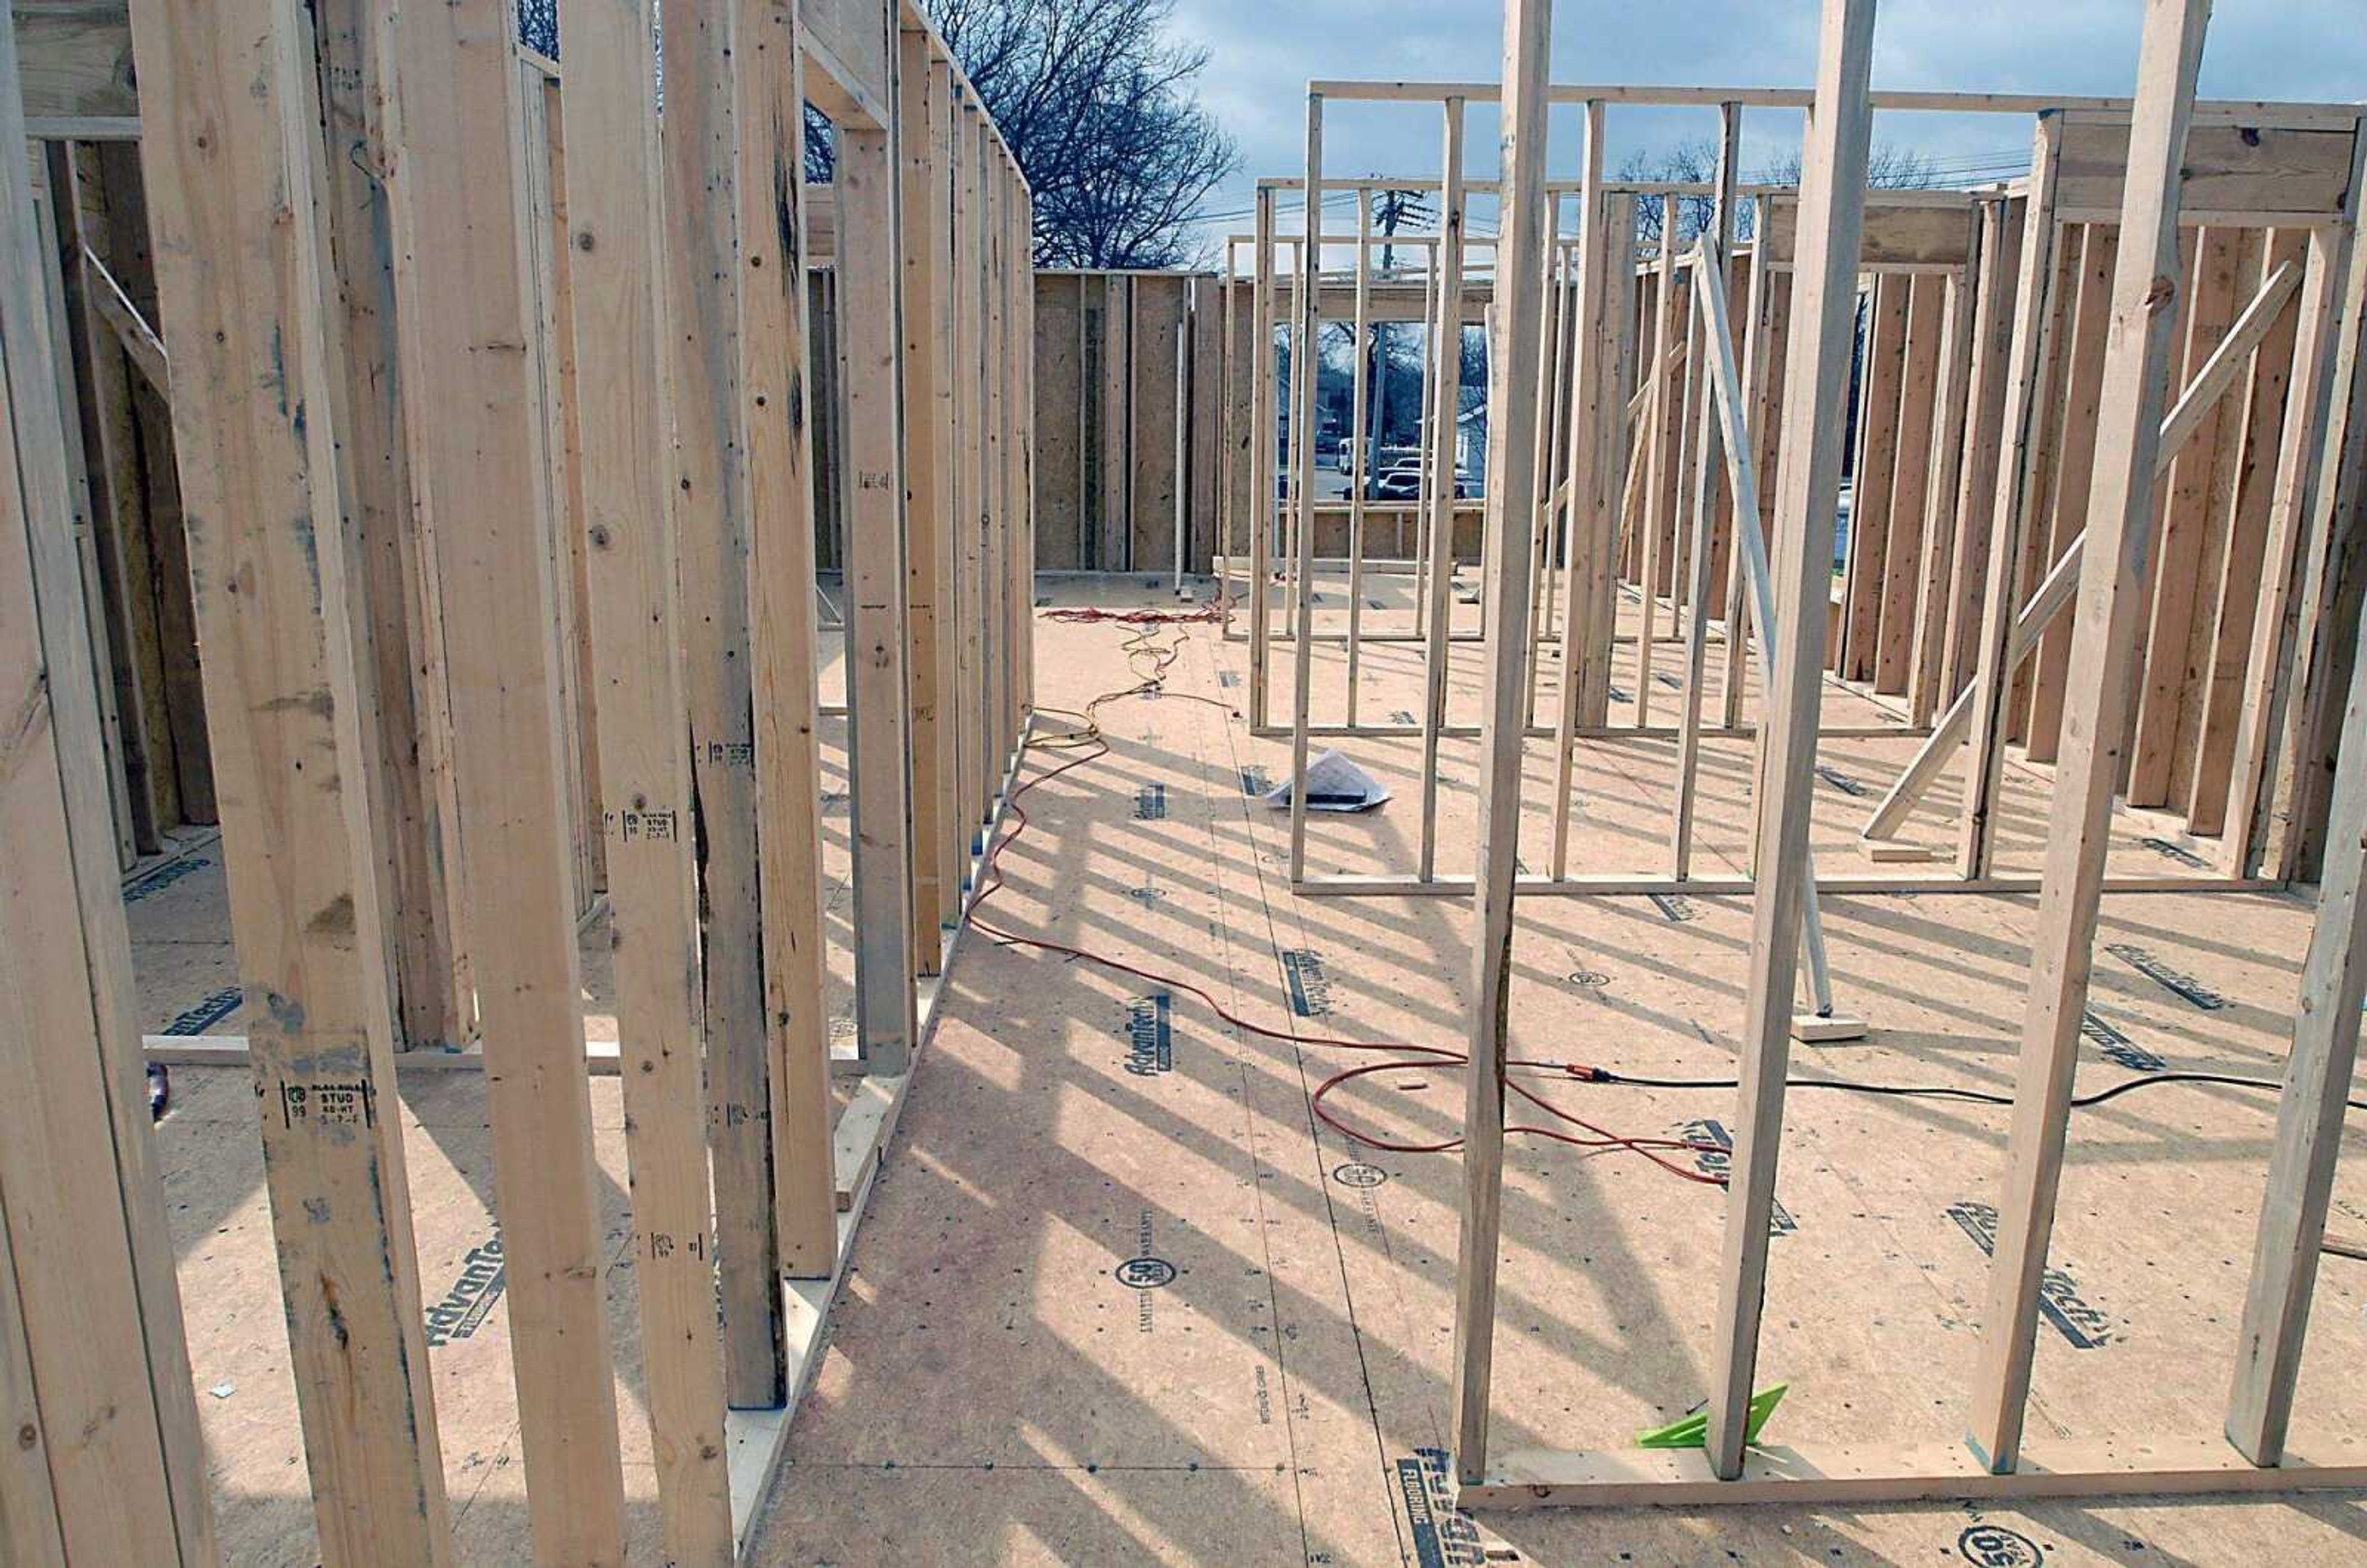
(1390, 208)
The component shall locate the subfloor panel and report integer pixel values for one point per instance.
(220, 1217)
(1124, 1296)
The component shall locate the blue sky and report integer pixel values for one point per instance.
(1262, 53)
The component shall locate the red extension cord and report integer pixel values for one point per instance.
(1088, 742)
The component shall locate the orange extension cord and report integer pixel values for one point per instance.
(1150, 661)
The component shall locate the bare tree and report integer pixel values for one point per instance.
(1889, 167)
(1096, 105)
(539, 26)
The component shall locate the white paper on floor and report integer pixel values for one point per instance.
(1333, 783)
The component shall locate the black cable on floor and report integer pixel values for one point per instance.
(1946, 1091)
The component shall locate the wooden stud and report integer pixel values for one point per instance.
(2310, 1112)
(614, 183)
(928, 253)
(1263, 434)
(1997, 267)
(478, 462)
(2022, 421)
(1910, 481)
(2317, 347)
(416, 843)
(1935, 594)
(1362, 444)
(1511, 504)
(879, 702)
(2056, 593)
(2190, 513)
(2330, 580)
(1595, 478)
(1709, 273)
(1758, 305)
(2243, 567)
(1305, 362)
(1020, 508)
(993, 244)
(91, 366)
(108, 1462)
(1832, 213)
(1552, 375)
(972, 506)
(709, 500)
(941, 421)
(60, 300)
(2120, 513)
(258, 425)
(579, 721)
(2086, 352)
(1871, 497)
(1665, 419)
(773, 421)
(1445, 357)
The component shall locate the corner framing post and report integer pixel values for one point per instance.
(2309, 1113)
(1831, 219)
(1306, 362)
(1438, 474)
(2024, 420)
(774, 424)
(2145, 286)
(1589, 551)
(478, 450)
(1511, 506)
(1709, 273)
(879, 697)
(103, 1460)
(634, 607)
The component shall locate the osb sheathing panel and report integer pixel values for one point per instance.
(1159, 304)
(1894, 236)
(1206, 393)
(1058, 410)
(2227, 168)
(76, 57)
(1000, 1386)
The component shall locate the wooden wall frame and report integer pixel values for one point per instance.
(1942, 387)
(2146, 283)
(589, 542)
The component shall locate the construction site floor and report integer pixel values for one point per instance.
(1122, 1296)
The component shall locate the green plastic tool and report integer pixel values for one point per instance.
(1692, 1431)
